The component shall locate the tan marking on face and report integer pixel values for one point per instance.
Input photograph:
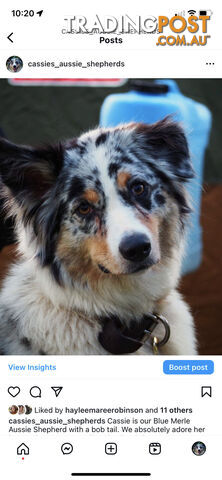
(165, 231)
(91, 196)
(74, 258)
(152, 222)
(81, 262)
(122, 179)
(169, 232)
(100, 254)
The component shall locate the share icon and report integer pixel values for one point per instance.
(57, 390)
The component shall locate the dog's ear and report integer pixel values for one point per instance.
(29, 172)
(166, 143)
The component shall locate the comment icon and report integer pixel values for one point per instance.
(35, 392)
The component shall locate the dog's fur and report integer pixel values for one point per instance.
(73, 204)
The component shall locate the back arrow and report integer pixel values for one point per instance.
(9, 37)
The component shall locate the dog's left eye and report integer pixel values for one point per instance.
(137, 189)
(84, 209)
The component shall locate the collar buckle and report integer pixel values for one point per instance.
(156, 320)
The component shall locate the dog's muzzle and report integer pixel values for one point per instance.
(118, 339)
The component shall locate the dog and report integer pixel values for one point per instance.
(14, 64)
(100, 222)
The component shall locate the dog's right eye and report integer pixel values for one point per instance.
(137, 189)
(84, 209)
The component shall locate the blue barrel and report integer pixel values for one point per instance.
(148, 102)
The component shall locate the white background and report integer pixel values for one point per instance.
(131, 381)
(40, 39)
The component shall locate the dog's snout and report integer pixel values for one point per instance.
(135, 247)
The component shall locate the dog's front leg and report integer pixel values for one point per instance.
(183, 338)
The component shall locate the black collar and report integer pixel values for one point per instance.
(119, 339)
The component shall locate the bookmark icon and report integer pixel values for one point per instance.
(206, 391)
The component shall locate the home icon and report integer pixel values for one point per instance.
(23, 449)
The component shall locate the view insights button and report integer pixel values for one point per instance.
(188, 367)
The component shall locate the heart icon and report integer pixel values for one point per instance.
(14, 391)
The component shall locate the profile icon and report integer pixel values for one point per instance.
(14, 64)
(199, 448)
(13, 409)
(21, 409)
(28, 409)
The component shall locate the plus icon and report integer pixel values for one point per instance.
(111, 448)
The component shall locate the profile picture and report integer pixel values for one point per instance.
(199, 448)
(13, 409)
(14, 64)
(28, 409)
(21, 409)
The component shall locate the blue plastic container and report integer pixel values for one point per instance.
(148, 103)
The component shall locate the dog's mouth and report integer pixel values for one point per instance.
(103, 269)
(140, 268)
(130, 271)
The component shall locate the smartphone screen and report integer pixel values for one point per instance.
(110, 241)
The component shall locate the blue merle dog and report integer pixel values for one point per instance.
(100, 224)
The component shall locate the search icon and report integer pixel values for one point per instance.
(35, 392)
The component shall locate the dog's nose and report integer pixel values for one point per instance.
(135, 247)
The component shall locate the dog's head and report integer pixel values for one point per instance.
(14, 64)
(111, 202)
